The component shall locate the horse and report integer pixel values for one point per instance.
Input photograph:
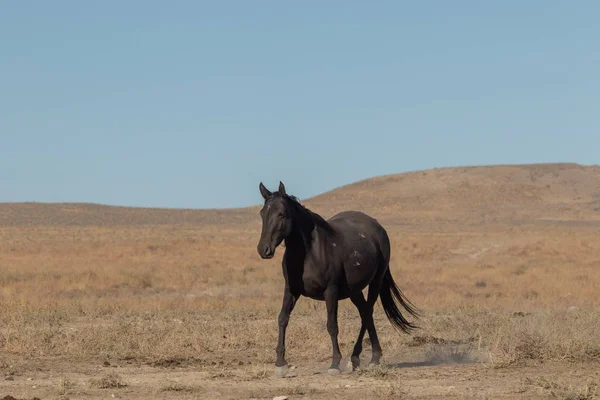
(331, 260)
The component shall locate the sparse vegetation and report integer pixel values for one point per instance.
(64, 386)
(376, 371)
(502, 277)
(392, 390)
(109, 381)
(176, 387)
(301, 390)
(561, 390)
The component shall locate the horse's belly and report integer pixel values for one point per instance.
(313, 290)
(355, 282)
(359, 278)
(315, 283)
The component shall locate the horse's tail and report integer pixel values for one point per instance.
(391, 299)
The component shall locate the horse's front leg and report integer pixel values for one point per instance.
(289, 301)
(331, 301)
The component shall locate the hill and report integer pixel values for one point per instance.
(535, 193)
(502, 261)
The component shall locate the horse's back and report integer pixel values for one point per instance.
(356, 223)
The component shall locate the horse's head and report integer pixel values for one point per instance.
(276, 220)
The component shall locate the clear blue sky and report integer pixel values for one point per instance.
(193, 103)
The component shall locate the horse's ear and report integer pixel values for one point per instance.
(282, 189)
(264, 191)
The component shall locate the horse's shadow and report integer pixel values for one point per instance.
(414, 364)
(436, 355)
(430, 362)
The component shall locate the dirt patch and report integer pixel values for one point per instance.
(14, 398)
(259, 382)
(109, 381)
(428, 340)
(179, 362)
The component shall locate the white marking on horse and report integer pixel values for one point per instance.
(356, 253)
(362, 235)
(356, 264)
(334, 244)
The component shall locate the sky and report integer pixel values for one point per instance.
(193, 103)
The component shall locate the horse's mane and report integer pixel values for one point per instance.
(316, 218)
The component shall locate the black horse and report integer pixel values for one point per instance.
(331, 260)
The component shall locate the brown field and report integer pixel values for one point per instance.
(504, 263)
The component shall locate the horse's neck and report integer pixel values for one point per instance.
(306, 233)
(300, 240)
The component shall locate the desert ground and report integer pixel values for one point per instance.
(503, 262)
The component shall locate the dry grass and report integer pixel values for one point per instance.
(507, 282)
(105, 293)
(377, 371)
(109, 381)
(294, 391)
(65, 386)
(176, 387)
(562, 390)
(392, 390)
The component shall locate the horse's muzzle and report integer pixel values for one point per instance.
(266, 251)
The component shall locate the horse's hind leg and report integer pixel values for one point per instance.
(374, 290)
(361, 304)
(365, 308)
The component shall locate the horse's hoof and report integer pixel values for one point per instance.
(355, 363)
(333, 371)
(282, 371)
